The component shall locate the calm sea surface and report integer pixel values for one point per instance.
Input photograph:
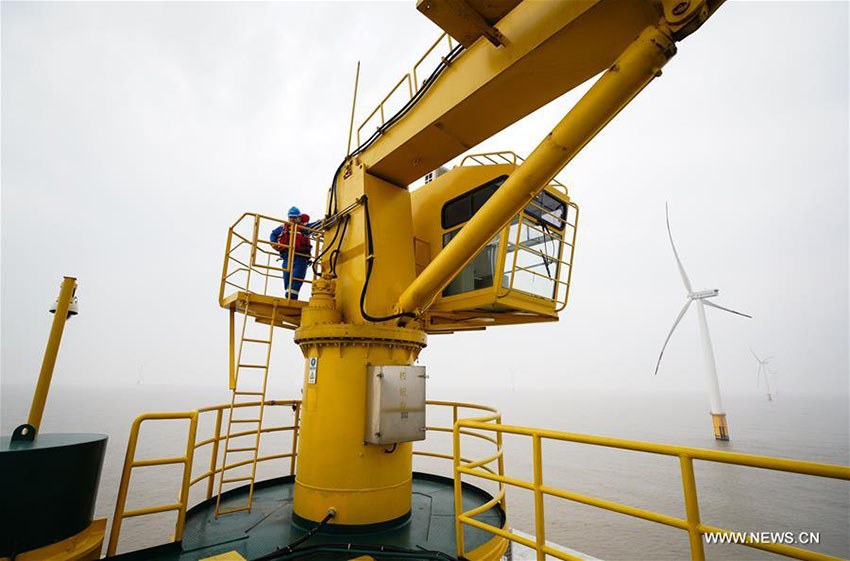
(730, 497)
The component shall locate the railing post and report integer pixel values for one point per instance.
(252, 262)
(501, 464)
(539, 521)
(295, 424)
(232, 350)
(458, 486)
(187, 475)
(692, 508)
(121, 500)
(214, 453)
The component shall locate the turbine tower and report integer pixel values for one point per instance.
(701, 297)
(763, 371)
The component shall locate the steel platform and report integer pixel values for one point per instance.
(270, 525)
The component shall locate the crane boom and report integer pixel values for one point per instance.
(547, 48)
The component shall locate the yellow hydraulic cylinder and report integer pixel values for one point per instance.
(39, 398)
(633, 70)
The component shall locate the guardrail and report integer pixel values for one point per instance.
(130, 463)
(410, 79)
(491, 415)
(692, 524)
(250, 257)
(191, 447)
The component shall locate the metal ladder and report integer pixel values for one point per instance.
(241, 421)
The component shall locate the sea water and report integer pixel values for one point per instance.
(730, 497)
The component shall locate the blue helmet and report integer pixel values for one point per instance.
(294, 211)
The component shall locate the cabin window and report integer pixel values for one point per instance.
(549, 210)
(460, 209)
(532, 254)
(479, 272)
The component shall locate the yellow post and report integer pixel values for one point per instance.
(39, 398)
(214, 453)
(632, 71)
(458, 485)
(692, 508)
(539, 517)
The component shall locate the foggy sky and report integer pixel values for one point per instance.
(133, 134)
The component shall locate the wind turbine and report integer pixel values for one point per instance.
(763, 371)
(701, 297)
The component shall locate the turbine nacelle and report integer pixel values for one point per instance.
(703, 294)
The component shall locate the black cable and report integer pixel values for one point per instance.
(322, 253)
(370, 258)
(290, 548)
(334, 257)
(391, 450)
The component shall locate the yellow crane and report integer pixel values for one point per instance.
(487, 243)
(371, 309)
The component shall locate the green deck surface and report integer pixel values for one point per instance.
(269, 525)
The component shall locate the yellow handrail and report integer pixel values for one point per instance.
(686, 455)
(191, 446)
(257, 255)
(412, 85)
(130, 463)
(490, 415)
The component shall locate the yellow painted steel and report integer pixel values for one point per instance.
(633, 70)
(39, 398)
(692, 524)
(571, 40)
(83, 546)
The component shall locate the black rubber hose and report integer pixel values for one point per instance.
(355, 548)
(291, 547)
(370, 259)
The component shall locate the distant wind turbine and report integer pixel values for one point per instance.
(763, 371)
(701, 297)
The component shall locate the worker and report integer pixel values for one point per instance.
(280, 238)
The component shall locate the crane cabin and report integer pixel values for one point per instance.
(523, 273)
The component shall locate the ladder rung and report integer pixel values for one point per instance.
(252, 366)
(235, 479)
(267, 342)
(244, 420)
(241, 449)
(238, 509)
(248, 393)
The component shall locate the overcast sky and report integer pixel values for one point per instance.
(133, 134)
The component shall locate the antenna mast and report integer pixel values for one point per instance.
(353, 105)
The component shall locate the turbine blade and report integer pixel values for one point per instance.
(672, 329)
(769, 358)
(758, 375)
(755, 355)
(682, 272)
(713, 305)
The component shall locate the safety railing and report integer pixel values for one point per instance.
(251, 258)
(484, 414)
(501, 158)
(130, 463)
(691, 524)
(539, 259)
(412, 81)
(192, 445)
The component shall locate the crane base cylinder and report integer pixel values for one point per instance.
(365, 484)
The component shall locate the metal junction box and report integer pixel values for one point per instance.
(395, 404)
